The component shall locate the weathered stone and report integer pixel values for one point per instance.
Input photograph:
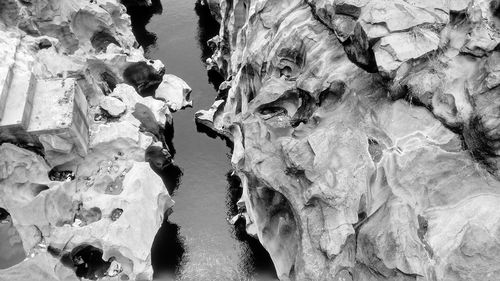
(395, 49)
(175, 92)
(60, 108)
(65, 67)
(19, 102)
(8, 46)
(350, 175)
(113, 106)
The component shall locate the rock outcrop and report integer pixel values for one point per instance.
(365, 134)
(77, 115)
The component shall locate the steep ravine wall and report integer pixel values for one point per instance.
(82, 112)
(365, 134)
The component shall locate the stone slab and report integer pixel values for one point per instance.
(5, 81)
(9, 43)
(60, 108)
(19, 102)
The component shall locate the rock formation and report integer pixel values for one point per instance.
(77, 114)
(365, 133)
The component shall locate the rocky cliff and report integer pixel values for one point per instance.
(82, 112)
(365, 133)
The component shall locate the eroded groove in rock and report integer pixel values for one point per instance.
(376, 121)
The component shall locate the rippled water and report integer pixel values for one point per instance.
(197, 243)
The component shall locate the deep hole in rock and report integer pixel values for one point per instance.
(286, 71)
(44, 44)
(86, 260)
(3, 214)
(61, 175)
(101, 39)
(11, 247)
(88, 263)
(116, 214)
(305, 110)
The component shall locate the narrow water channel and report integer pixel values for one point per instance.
(197, 243)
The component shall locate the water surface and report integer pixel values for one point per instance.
(197, 243)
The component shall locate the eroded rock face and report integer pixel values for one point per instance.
(77, 118)
(365, 135)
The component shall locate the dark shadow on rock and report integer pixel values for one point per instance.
(208, 27)
(168, 135)
(167, 250)
(201, 128)
(171, 176)
(143, 77)
(255, 260)
(140, 16)
(3, 214)
(215, 78)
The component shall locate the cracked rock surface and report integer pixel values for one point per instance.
(365, 134)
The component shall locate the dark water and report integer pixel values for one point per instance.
(197, 243)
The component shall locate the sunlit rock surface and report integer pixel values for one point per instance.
(366, 134)
(77, 114)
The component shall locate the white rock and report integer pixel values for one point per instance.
(113, 106)
(175, 92)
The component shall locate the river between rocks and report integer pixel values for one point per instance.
(196, 242)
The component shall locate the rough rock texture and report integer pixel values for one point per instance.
(174, 91)
(366, 134)
(77, 116)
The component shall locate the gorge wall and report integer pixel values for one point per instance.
(82, 112)
(365, 133)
